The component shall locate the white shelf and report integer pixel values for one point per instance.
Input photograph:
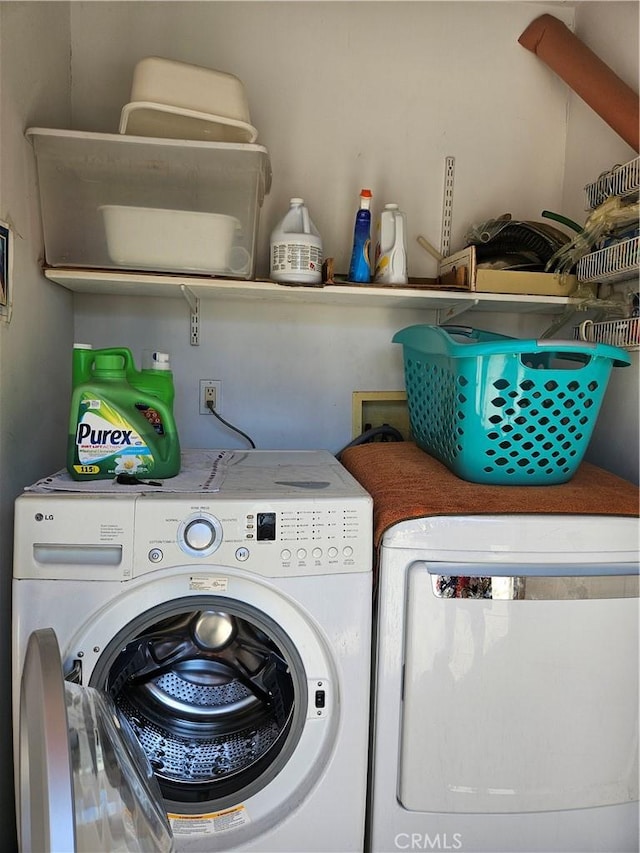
(622, 181)
(618, 333)
(615, 263)
(449, 303)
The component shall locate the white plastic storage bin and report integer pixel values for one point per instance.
(85, 178)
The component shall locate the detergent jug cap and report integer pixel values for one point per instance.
(161, 361)
(391, 206)
(82, 346)
(296, 201)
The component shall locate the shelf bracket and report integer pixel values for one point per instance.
(194, 307)
(444, 315)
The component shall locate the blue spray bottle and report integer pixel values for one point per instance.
(360, 266)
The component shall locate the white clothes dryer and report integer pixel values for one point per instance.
(506, 695)
(221, 639)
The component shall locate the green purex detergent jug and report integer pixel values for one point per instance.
(121, 419)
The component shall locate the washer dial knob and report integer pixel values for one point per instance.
(200, 535)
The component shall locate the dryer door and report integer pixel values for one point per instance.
(520, 692)
(84, 782)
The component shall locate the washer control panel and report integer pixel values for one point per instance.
(277, 538)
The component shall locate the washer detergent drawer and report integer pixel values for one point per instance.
(523, 698)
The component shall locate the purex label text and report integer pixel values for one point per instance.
(115, 437)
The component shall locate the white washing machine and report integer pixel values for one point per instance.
(215, 649)
(506, 696)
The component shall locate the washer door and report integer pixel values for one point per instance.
(230, 685)
(85, 784)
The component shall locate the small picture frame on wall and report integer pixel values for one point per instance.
(6, 249)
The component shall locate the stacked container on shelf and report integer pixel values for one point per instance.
(177, 190)
(616, 258)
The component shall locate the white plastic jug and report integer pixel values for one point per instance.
(391, 247)
(296, 247)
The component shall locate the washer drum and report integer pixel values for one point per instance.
(210, 697)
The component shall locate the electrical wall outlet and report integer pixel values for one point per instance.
(210, 392)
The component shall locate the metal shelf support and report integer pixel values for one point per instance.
(445, 315)
(194, 306)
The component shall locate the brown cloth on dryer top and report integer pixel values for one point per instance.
(405, 482)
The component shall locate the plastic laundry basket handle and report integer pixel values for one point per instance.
(467, 331)
(582, 351)
(478, 335)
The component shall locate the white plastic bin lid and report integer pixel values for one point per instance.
(144, 118)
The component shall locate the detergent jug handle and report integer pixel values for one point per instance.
(126, 354)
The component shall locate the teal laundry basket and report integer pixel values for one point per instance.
(500, 410)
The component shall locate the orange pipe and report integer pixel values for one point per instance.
(589, 77)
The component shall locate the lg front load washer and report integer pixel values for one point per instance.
(215, 648)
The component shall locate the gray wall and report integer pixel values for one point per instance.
(34, 345)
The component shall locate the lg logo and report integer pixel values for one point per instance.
(42, 517)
